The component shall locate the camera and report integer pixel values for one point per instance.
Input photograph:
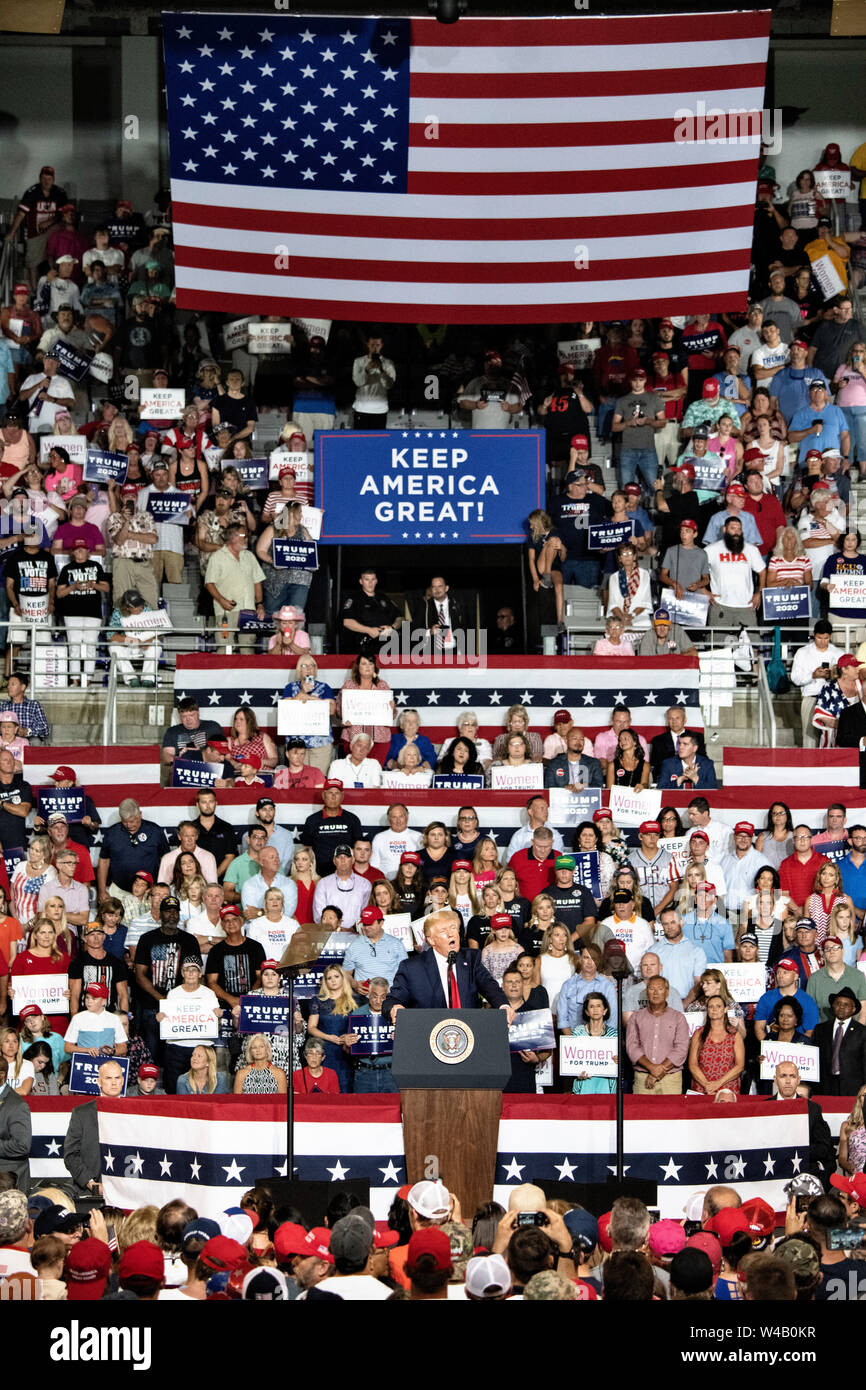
(532, 1218)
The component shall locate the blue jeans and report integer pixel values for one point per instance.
(583, 572)
(855, 418)
(630, 460)
(374, 1080)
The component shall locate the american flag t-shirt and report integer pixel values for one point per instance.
(494, 171)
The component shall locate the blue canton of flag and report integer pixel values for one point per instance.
(294, 103)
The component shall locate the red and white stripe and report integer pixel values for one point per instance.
(551, 136)
(791, 767)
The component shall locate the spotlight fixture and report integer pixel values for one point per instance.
(447, 11)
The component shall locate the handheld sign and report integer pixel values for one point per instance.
(172, 507)
(689, 611)
(262, 1013)
(70, 801)
(710, 471)
(73, 364)
(399, 925)
(631, 807)
(847, 590)
(308, 982)
(267, 338)
(593, 1056)
(84, 1073)
(305, 718)
(607, 537)
(157, 620)
(187, 772)
(804, 1057)
(746, 980)
(783, 604)
(458, 781)
(236, 334)
(367, 707)
(74, 444)
(532, 1031)
(188, 1016)
(254, 472)
(313, 328)
(530, 777)
(48, 992)
(248, 622)
(375, 1036)
(587, 871)
(162, 403)
(289, 553)
(105, 467)
(568, 807)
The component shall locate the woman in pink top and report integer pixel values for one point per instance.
(850, 384)
(612, 643)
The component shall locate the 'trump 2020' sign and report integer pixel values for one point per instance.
(402, 487)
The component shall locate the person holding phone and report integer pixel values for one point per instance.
(373, 375)
(810, 670)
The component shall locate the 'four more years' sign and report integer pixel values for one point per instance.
(404, 487)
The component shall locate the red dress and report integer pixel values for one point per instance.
(715, 1059)
(25, 963)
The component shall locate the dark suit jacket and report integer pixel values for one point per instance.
(460, 610)
(822, 1151)
(672, 768)
(15, 1137)
(852, 1058)
(556, 773)
(81, 1147)
(663, 746)
(851, 728)
(417, 984)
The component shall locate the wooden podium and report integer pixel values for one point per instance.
(451, 1066)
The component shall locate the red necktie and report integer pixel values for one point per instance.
(453, 991)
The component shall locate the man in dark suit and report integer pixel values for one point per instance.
(442, 614)
(15, 1132)
(822, 1151)
(574, 768)
(431, 979)
(842, 1047)
(664, 745)
(851, 732)
(688, 771)
(81, 1145)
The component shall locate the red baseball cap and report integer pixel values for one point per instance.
(410, 857)
(270, 964)
(661, 357)
(700, 835)
(650, 827)
(601, 814)
(847, 660)
(687, 521)
(97, 991)
(666, 323)
(331, 782)
(710, 389)
(579, 441)
(752, 454)
(430, 1241)
(230, 910)
(737, 489)
(760, 1216)
(813, 454)
(689, 470)
(499, 920)
(33, 1010)
(290, 1239)
(21, 288)
(706, 888)
(371, 914)
(287, 471)
(604, 1239)
(727, 1222)
(221, 1253)
(706, 1241)
(129, 490)
(744, 827)
(822, 487)
(252, 760)
(317, 1242)
(633, 488)
(461, 864)
(149, 1069)
(787, 964)
(562, 716)
(637, 374)
(142, 873)
(63, 774)
(88, 1265)
(142, 1258)
(854, 1186)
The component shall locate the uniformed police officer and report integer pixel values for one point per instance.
(366, 618)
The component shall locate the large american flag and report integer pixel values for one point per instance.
(507, 170)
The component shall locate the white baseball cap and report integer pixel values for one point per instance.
(432, 1200)
(487, 1276)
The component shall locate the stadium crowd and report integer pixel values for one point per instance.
(735, 439)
